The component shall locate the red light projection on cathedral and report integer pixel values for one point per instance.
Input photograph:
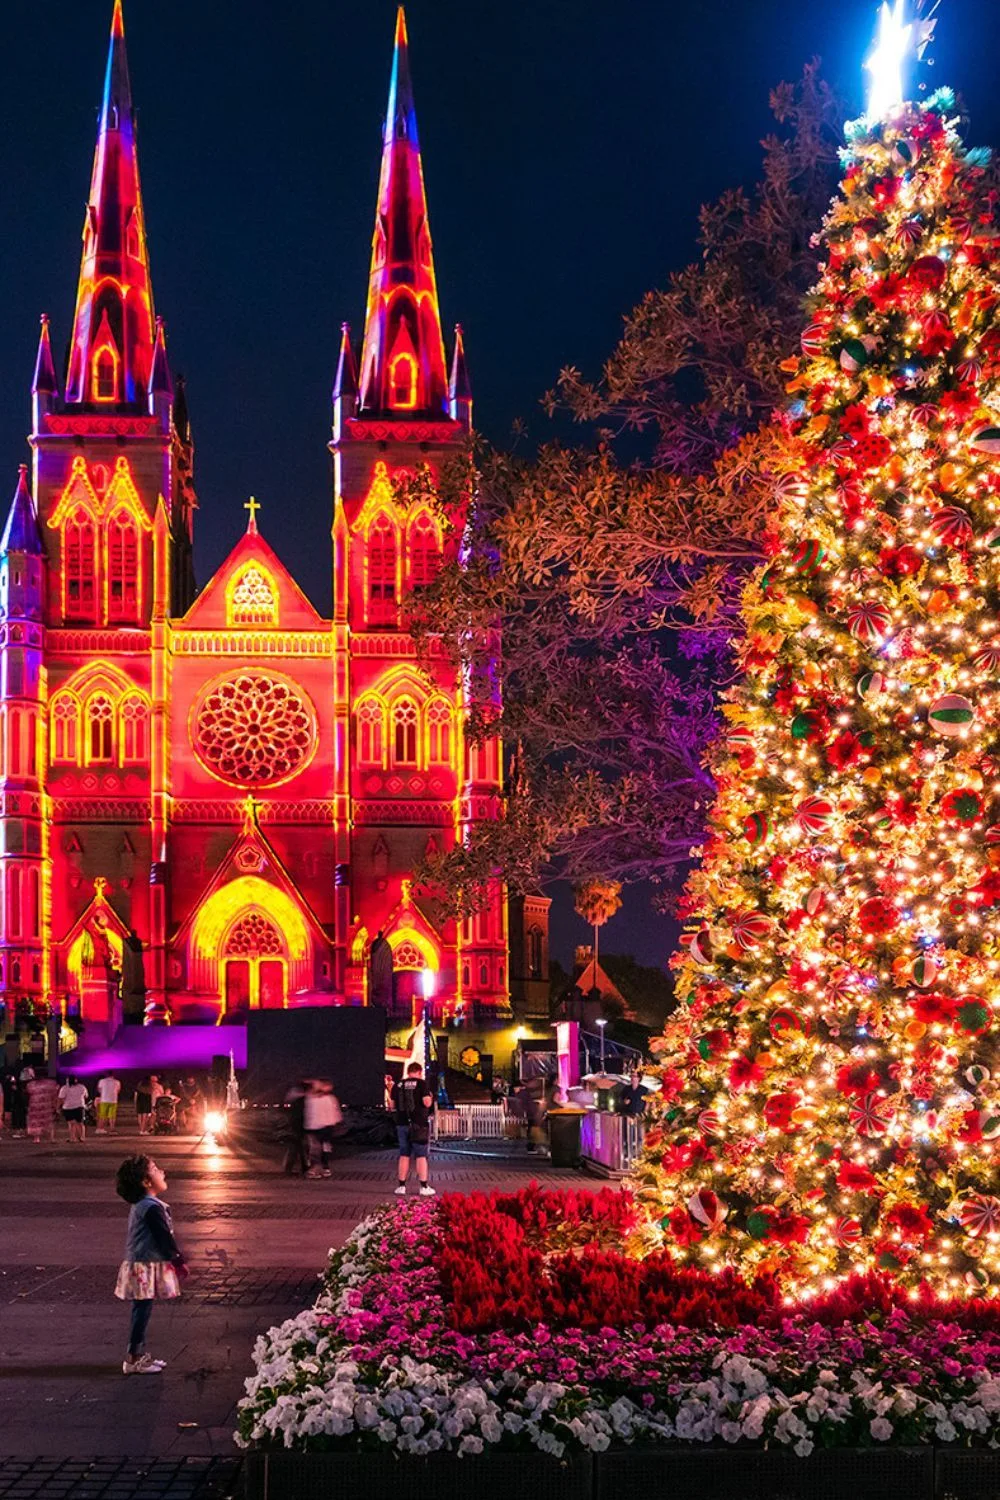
(402, 363)
(254, 730)
(111, 352)
(220, 791)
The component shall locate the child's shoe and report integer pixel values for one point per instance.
(142, 1364)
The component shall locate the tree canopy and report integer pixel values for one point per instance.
(610, 570)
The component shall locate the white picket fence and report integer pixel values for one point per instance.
(471, 1122)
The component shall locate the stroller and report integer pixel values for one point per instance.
(165, 1115)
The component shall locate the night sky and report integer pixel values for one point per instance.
(567, 146)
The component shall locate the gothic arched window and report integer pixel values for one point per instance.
(403, 382)
(405, 724)
(104, 382)
(407, 955)
(34, 903)
(79, 566)
(382, 572)
(370, 722)
(14, 902)
(123, 569)
(439, 721)
(100, 730)
(134, 730)
(425, 554)
(253, 600)
(65, 729)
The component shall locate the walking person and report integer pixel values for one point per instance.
(43, 1101)
(412, 1105)
(154, 1266)
(322, 1112)
(108, 1089)
(73, 1098)
(296, 1141)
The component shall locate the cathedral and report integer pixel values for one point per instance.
(219, 779)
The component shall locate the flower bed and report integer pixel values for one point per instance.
(472, 1323)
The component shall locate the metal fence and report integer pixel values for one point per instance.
(471, 1122)
(610, 1141)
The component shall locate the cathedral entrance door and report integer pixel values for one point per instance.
(237, 986)
(254, 956)
(271, 980)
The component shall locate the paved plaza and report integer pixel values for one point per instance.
(70, 1423)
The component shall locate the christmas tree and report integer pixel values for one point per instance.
(831, 1079)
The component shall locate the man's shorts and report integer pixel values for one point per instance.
(106, 1112)
(409, 1145)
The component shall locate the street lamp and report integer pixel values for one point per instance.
(428, 983)
(602, 1022)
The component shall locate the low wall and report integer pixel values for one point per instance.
(624, 1474)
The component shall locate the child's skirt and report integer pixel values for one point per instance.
(147, 1280)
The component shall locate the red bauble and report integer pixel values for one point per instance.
(877, 916)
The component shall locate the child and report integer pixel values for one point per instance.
(153, 1266)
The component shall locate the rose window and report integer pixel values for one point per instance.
(254, 937)
(254, 729)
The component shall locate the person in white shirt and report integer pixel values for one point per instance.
(73, 1098)
(322, 1112)
(108, 1089)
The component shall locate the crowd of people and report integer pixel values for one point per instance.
(35, 1104)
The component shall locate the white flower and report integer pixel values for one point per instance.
(880, 1429)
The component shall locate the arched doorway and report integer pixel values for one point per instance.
(412, 953)
(255, 965)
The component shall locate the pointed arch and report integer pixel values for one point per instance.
(105, 365)
(409, 940)
(133, 729)
(371, 739)
(64, 718)
(252, 597)
(219, 915)
(404, 739)
(99, 730)
(79, 566)
(424, 547)
(404, 374)
(122, 572)
(382, 567)
(440, 720)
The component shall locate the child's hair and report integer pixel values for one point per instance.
(130, 1181)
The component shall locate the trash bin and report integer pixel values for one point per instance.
(564, 1136)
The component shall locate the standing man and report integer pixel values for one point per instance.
(108, 1089)
(412, 1104)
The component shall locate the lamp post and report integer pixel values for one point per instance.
(428, 982)
(602, 1022)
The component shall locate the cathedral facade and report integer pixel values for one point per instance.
(221, 778)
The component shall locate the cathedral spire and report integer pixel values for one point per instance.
(111, 352)
(21, 532)
(402, 363)
(44, 386)
(459, 384)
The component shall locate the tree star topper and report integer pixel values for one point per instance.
(897, 40)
